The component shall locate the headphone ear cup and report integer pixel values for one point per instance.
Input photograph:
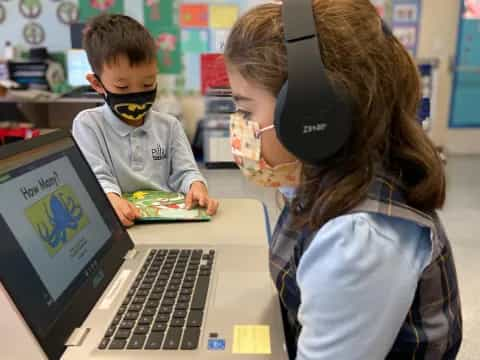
(316, 134)
(280, 110)
(313, 117)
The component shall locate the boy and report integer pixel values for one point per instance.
(128, 146)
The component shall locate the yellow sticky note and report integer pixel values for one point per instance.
(251, 339)
(223, 16)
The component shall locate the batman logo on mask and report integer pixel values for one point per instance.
(132, 111)
(130, 106)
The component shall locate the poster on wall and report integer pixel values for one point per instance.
(160, 13)
(194, 41)
(34, 34)
(91, 8)
(405, 13)
(407, 35)
(194, 15)
(223, 16)
(67, 12)
(31, 9)
(218, 39)
(406, 16)
(168, 43)
(472, 9)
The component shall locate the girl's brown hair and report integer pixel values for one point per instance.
(382, 80)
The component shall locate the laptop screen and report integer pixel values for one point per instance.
(77, 67)
(57, 231)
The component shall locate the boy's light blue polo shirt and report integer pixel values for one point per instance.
(154, 156)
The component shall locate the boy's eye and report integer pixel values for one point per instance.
(121, 87)
(149, 85)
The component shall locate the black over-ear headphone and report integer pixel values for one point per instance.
(313, 119)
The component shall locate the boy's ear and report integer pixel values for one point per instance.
(95, 84)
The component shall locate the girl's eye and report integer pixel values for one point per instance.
(246, 114)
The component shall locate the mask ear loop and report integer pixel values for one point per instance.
(98, 79)
(259, 132)
(101, 83)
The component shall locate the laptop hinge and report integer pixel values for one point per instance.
(77, 337)
(130, 254)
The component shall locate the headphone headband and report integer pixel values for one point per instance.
(313, 119)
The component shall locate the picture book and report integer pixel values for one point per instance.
(164, 206)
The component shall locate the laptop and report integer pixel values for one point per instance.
(77, 69)
(73, 285)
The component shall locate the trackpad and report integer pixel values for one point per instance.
(245, 288)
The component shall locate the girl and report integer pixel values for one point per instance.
(362, 264)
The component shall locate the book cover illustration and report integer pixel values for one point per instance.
(164, 206)
(57, 218)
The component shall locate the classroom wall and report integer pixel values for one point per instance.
(57, 38)
(438, 38)
(57, 34)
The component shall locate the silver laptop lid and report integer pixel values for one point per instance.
(61, 241)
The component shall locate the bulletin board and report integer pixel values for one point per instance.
(403, 17)
(406, 15)
(30, 23)
(204, 28)
(182, 29)
(91, 8)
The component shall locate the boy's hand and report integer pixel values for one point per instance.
(126, 211)
(198, 194)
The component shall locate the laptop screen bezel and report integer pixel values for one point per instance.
(86, 296)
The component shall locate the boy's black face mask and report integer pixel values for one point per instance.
(130, 107)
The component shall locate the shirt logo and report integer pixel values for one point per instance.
(159, 153)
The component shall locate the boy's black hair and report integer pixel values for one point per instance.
(108, 36)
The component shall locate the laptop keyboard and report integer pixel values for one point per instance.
(165, 305)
